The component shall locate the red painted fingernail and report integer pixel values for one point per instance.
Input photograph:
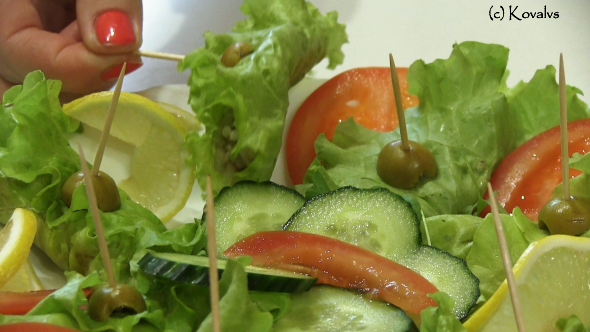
(114, 71)
(114, 28)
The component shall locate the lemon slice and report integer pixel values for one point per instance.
(25, 280)
(553, 281)
(158, 177)
(16, 239)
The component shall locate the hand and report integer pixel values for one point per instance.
(83, 43)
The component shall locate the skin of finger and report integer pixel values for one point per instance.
(25, 47)
(89, 10)
(55, 14)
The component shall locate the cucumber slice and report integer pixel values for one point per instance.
(449, 274)
(368, 218)
(330, 309)
(195, 270)
(249, 207)
(383, 222)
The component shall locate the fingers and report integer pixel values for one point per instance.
(25, 46)
(110, 26)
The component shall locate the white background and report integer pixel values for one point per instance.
(411, 30)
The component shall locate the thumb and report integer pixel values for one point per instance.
(110, 26)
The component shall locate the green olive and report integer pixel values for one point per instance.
(234, 53)
(107, 193)
(566, 216)
(403, 168)
(121, 300)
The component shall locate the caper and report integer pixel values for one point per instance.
(122, 300)
(403, 168)
(566, 216)
(235, 52)
(107, 193)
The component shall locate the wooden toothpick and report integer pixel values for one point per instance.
(506, 261)
(399, 105)
(102, 242)
(565, 168)
(212, 250)
(160, 55)
(108, 122)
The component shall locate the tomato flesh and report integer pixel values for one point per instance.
(338, 264)
(365, 94)
(527, 176)
(34, 327)
(17, 303)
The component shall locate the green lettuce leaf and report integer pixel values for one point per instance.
(451, 233)
(467, 118)
(35, 161)
(484, 258)
(441, 317)
(243, 108)
(581, 162)
(571, 324)
(186, 307)
(127, 230)
(35, 156)
(534, 105)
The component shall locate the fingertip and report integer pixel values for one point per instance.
(110, 26)
(114, 71)
(113, 27)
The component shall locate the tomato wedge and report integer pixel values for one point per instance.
(34, 327)
(338, 264)
(527, 176)
(17, 303)
(366, 94)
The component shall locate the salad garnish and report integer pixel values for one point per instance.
(243, 108)
(402, 163)
(566, 214)
(470, 120)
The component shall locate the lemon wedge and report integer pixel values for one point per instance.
(157, 176)
(16, 239)
(553, 281)
(25, 280)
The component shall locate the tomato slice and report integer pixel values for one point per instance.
(34, 327)
(527, 176)
(17, 303)
(338, 264)
(366, 94)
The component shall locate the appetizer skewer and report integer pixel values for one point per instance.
(88, 175)
(566, 214)
(506, 262)
(114, 298)
(107, 300)
(160, 55)
(402, 163)
(102, 244)
(108, 122)
(211, 248)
